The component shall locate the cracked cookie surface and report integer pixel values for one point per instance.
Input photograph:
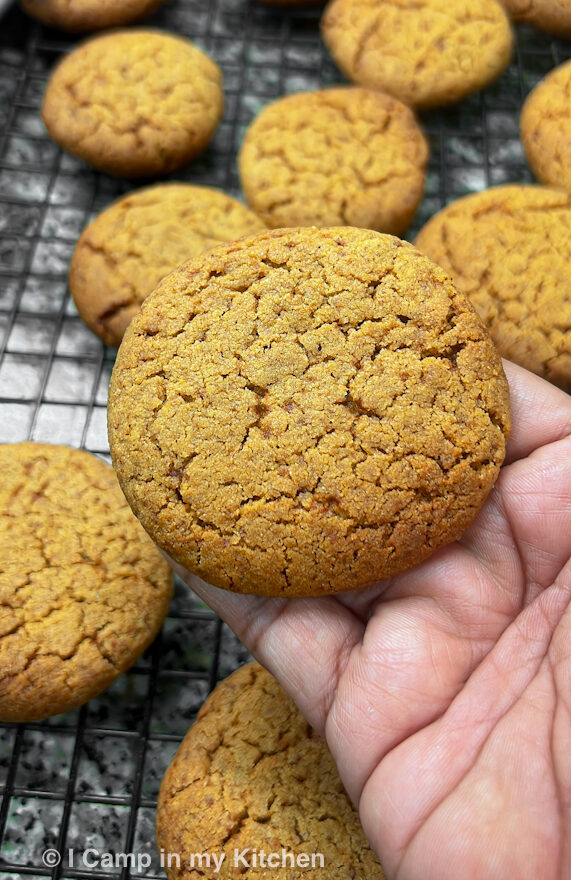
(509, 250)
(553, 16)
(81, 16)
(134, 103)
(251, 774)
(83, 589)
(306, 411)
(546, 128)
(343, 156)
(424, 52)
(123, 254)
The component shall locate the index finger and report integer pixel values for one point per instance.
(541, 413)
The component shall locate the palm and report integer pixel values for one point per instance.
(445, 693)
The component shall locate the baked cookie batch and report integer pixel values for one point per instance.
(84, 589)
(123, 253)
(302, 403)
(426, 54)
(509, 250)
(106, 104)
(350, 156)
(307, 411)
(265, 782)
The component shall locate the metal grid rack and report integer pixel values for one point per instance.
(89, 779)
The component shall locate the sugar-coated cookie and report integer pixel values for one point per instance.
(339, 156)
(123, 254)
(424, 52)
(306, 411)
(82, 16)
(134, 103)
(256, 790)
(84, 590)
(293, 3)
(553, 16)
(546, 128)
(509, 250)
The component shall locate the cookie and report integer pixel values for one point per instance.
(134, 103)
(291, 2)
(341, 156)
(82, 16)
(253, 786)
(546, 128)
(553, 16)
(306, 411)
(84, 590)
(509, 250)
(424, 53)
(123, 254)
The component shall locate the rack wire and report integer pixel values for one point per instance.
(88, 780)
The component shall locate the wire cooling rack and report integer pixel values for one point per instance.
(87, 781)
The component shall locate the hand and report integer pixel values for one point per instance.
(444, 693)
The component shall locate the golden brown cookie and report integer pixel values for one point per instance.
(553, 16)
(343, 156)
(123, 254)
(82, 16)
(253, 786)
(424, 52)
(546, 128)
(291, 2)
(134, 103)
(306, 411)
(509, 250)
(83, 589)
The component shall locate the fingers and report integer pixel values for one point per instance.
(541, 413)
(506, 734)
(536, 496)
(526, 522)
(423, 640)
(305, 643)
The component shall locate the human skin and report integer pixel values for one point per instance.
(444, 693)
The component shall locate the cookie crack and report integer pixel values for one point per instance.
(237, 826)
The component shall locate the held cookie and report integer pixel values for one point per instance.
(134, 103)
(546, 128)
(251, 775)
(82, 16)
(343, 156)
(123, 254)
(426, 53)
(553, 16)
(84, 590)
(306, 411)
(509, 250)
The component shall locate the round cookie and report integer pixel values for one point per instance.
(286, 3)
(553, 16)
(80, 16)
(341, 156)
(84, 590)
(123, 254)
(509, 250)
(546, 128)
(426, 54)
(306, 411)
(134, 103)
(251, 775)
